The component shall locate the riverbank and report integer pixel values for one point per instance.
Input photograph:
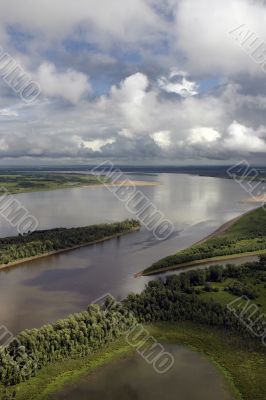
(206, 261)
(242, 369)
(52, 253)
(127, 183)
(123, 226)
(257, 199)
(243, 236)
(40, 182)
(223, 228)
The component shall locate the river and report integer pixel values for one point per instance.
(47, 289)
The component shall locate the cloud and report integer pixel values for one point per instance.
(244, 140)
(203, 135)
(202, 33)
(70, 85)
(179, 84)
(134, 122)
(162, 139)
(6, 112)
(140, 80)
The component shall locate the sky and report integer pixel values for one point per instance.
(168, 82)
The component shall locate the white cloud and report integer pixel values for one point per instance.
(102, 21)
(162, 139)
(202, 33)
(96, 144)
(244, 140)
(203, 135)
(7, 112)
(130, 47)
(70, 85)
(179, 84)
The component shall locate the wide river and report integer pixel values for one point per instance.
(47, 289)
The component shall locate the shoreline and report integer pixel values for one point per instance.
(67, 249)
(58, 376)
(201, 262)
(256, 199)
(128, 183)
(222, 229)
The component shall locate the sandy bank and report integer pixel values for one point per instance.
(128, 183)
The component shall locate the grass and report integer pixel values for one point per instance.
(245, 237)
(224, 297)
(55, 376)
(242, 366)
(35, 182)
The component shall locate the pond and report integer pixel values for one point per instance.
(192, 377)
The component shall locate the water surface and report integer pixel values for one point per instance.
(47, 289)
(192, 377)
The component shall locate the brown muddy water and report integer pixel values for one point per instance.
(192, 377)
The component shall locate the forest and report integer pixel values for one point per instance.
(247, 234)
(176, 299)
(41, 242)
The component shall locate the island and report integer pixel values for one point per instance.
(19, 249)
(24, 182)
(242, 237)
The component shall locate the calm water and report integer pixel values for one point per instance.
(48, 289)
(134, 379)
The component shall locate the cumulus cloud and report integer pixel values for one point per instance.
(203, 33)
(204, 135)
(162, 139)
(139, 80)
(70, 85)
(178, 83)
(245, 140)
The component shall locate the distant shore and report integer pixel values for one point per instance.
(125, 183)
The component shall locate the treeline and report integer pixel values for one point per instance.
(246, 235)
(81, 334)
(41, 242)
(177, 298)
(77, 336)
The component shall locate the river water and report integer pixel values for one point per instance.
(47, 289)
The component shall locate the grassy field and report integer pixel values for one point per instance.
(243, 367)
(246, 236)
(34, 182)
(255, 282)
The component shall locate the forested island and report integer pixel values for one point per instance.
(15, 182)
(246, 236)
(21, 248)
(174, 310)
